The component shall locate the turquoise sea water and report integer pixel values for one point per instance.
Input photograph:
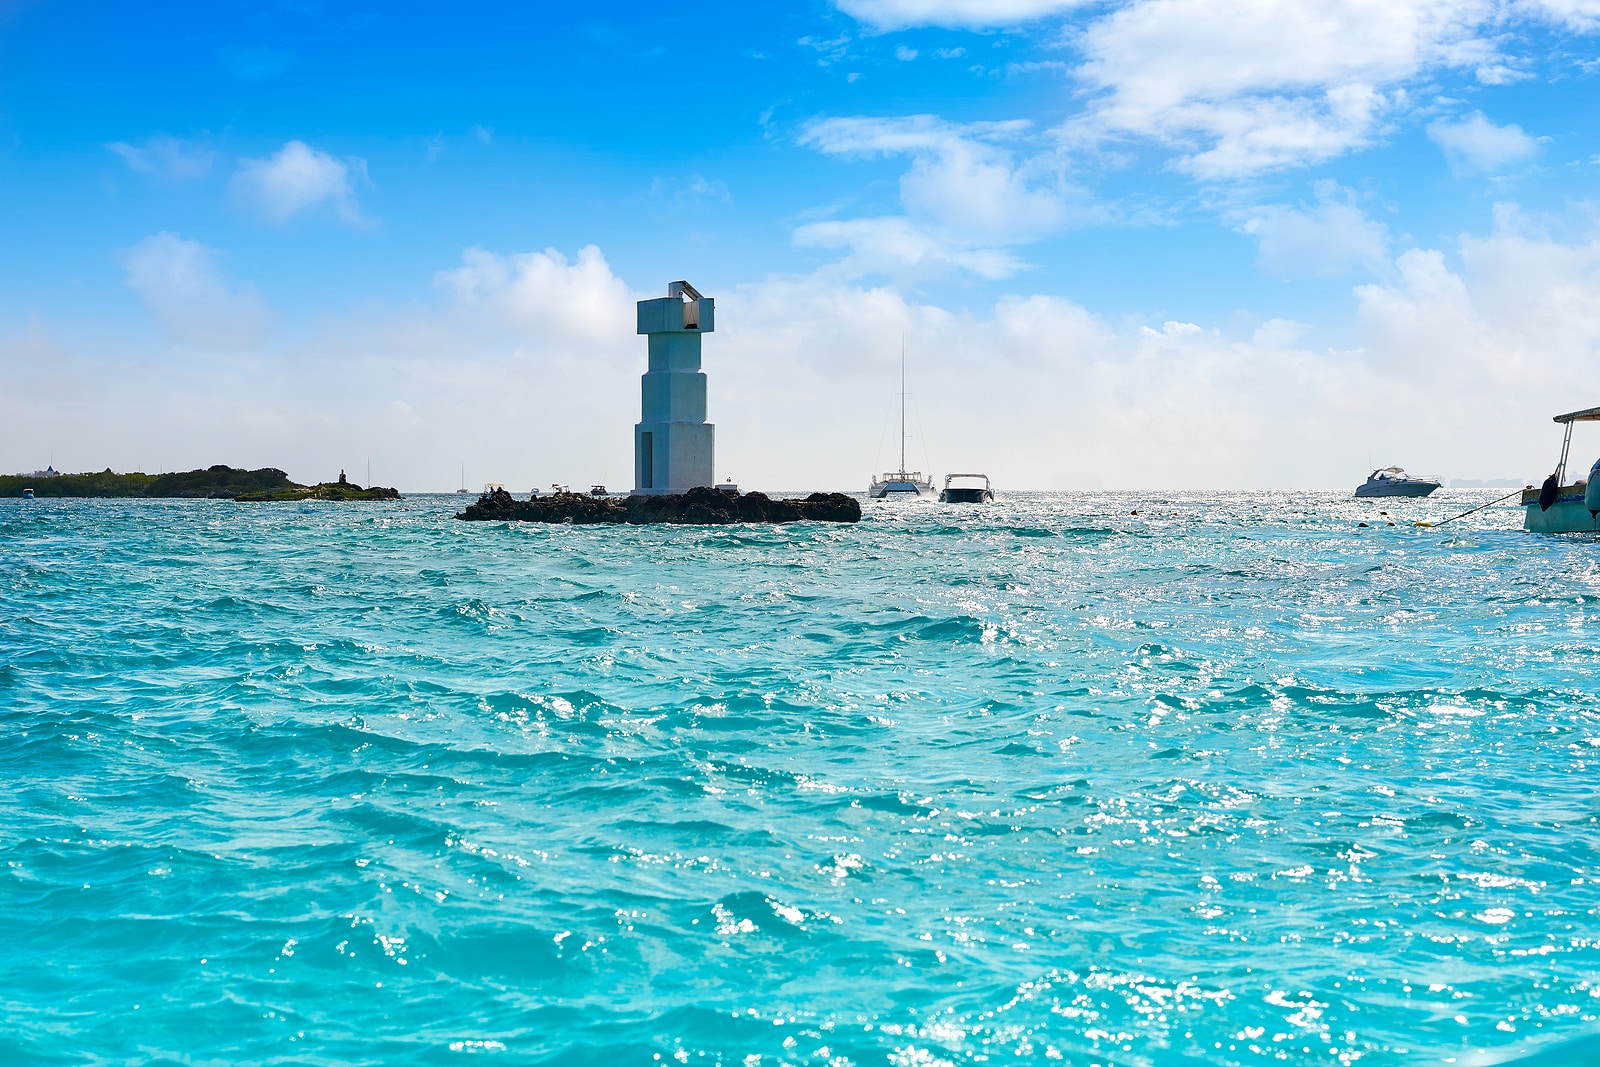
(1227, 781)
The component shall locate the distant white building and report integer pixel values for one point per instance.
(672, 444)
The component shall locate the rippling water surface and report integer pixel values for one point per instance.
(1229, 781)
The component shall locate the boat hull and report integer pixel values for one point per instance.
(1396, 488)
(1567, 515)
(899, 488)
(965, 496)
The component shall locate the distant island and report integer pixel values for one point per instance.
(339, 490)
(696, 507)
(219, 482)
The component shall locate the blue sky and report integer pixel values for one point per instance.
(1142, 243)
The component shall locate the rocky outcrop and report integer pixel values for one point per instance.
(697, 507)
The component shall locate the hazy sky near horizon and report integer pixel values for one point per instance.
(1129, 243)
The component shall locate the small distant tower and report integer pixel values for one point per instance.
(672, 444)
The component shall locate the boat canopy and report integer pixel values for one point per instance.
(1586, 415)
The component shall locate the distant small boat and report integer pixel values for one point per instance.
(1558, 508)
(965, 489)
(728, 485)
(1392, 481)
(597, 490)
(27, 494)
(557, 487)
(463, 488)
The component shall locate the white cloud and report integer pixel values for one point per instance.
(966, 14)
(1502, 343)
(1326, 239)
(895, 245)
(190, 299)
(1038, 390)
(1238, 87)
(904, 54)
(695, 189)
(960, 179)
(1476, 144)
(299, 178)
(526, 368)
(965, 194)
(166, 157)
(1582, 16)
(1241, 86)
(541, 296)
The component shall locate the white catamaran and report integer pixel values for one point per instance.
(901, 483)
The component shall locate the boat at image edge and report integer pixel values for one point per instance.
(1558, 508)
(902, 482)
(968, 491)
(1392, 481)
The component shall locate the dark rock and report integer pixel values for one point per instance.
(698, 507)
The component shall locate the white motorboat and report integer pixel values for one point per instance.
(1555, 507)
(1392, 481)
(966, 489)
(901, 483)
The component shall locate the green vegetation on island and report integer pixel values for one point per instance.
(219, 482)
(339, 490)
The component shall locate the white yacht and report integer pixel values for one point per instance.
(1392, 481)
(901, 483)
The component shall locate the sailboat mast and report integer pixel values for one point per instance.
(902, 403)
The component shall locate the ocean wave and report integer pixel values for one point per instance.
(1226, 781)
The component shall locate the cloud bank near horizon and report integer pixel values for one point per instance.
(525, 367)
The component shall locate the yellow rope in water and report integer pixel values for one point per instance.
(1469, 511)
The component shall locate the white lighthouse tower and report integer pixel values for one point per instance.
(672, 444)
